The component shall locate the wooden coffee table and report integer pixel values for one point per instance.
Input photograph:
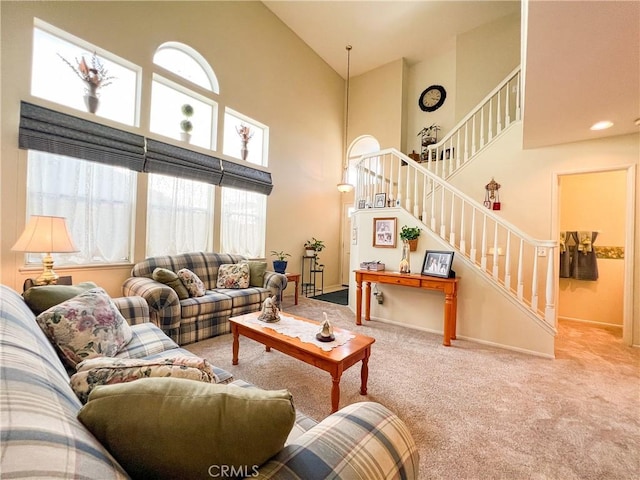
(335, 361)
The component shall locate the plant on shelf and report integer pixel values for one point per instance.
(429, 135)
(185, 125)
(313, 246)
(94, 76)
(410, 235)
(280, 265)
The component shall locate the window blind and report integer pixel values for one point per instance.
(49, 131)
(166, 159)
(243, 177)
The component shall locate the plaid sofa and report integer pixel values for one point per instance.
(194, 319)
(41, 437)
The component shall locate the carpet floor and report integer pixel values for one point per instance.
(477, 412)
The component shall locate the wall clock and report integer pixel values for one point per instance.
(432, 98)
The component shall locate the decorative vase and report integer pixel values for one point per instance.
(404, 263)
(413, 245)
(185, 136)
(91, 100)
(279, 266)
(243, 150)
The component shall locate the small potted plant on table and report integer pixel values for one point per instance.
(280, 265)
(410, 235)
(313, 246)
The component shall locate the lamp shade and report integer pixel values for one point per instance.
(45, 235)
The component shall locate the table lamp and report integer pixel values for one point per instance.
(46, 235)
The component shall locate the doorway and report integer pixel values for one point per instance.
(598, 206)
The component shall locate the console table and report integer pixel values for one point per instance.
(449, 286)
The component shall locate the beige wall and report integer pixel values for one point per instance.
(485, 56)
(595, 201)
(264, 71)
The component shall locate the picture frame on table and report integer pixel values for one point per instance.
(385, 232)
(380, 200)
(362, 204)
(438, 263)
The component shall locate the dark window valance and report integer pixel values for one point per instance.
(175, 161)
(49, 131)
(243, 177)
(54, 132)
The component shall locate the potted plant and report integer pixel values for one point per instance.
(410, 235)
(185, 125)
(429, 135)
(280, 265)
(95, 77)
(313, 246)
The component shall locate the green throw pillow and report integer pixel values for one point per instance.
(44, 297)
(171, 279)
(256, 273)
(176, 428)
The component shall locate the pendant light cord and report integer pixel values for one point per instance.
(346, 122)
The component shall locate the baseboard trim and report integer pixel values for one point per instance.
(470, 339)
(592, 322)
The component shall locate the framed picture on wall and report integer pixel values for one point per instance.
(384, 232)
(437, 264)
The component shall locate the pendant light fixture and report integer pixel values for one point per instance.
(344, 186)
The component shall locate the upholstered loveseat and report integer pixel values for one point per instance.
(41, 435)
(192, 319)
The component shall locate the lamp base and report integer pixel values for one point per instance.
(48, 276)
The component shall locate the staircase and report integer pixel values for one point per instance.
(520, 266)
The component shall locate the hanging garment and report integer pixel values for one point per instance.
(584, 265)
(566, 247)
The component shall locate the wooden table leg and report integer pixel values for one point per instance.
(367, 299)
(454, 316)
(358, 302)
(296, 294)
(335, 390)
(448, 304)
(236, 343)
(364, 372)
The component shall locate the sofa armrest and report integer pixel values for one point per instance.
(362, 440)
(134, 309)
(163, 302)
(275, 283)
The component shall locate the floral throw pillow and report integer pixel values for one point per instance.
(108, 371)
(192, 282)
(86, 326)
(233, 275)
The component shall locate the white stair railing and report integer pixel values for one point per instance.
(517, 263)
(497, 111)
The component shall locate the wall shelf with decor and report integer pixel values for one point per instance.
(312, 276)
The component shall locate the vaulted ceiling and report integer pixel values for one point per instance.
(582, 60)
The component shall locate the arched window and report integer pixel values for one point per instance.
(187, 63)
(360, 146)
(184, 108)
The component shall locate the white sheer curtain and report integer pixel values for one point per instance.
(243, 222)
(179, 216)
(97, 201)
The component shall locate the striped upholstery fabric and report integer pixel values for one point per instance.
(40, 434)
(362, 440)
(41, 437)
(194, 319)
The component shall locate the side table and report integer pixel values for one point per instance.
(292, 277)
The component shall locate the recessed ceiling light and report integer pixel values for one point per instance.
(602, 125)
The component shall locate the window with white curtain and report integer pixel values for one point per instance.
(96, 199)
(243, 222)
(179, 216)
